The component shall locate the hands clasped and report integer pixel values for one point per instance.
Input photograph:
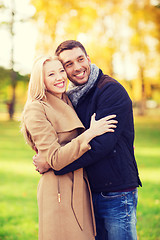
(97, 128)
(40, 163)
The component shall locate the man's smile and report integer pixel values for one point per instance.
(80, 75)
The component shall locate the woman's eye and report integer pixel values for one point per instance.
(51, 74)
(62, 71)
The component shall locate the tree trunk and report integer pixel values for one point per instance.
(143, 94)
(11, 105)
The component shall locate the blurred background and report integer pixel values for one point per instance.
(122, 37)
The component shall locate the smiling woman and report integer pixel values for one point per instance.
(55, 77)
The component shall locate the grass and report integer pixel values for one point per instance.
(147, 151)
(18, 182)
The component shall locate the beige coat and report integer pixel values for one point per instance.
(65, 205)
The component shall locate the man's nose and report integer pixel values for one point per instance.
(77, 66)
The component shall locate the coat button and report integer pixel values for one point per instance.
(114, 151)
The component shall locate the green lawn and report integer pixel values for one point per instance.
(147, 149)
(18, 182)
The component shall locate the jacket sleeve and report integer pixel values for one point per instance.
(46, 139)
(112, 99)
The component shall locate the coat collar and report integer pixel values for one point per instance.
(64, 111)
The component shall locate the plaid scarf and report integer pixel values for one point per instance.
(76, 92)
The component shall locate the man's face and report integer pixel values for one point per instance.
(76, 64)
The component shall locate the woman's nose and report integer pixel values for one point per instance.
(58, 76)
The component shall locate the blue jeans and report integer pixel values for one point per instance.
(115, 214)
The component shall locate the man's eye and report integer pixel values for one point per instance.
(81, 59)
(69, 65)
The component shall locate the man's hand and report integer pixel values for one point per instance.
(40, 163)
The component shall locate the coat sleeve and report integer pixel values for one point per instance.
(112, 99)
(46, 139)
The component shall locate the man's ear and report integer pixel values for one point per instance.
(89, 60)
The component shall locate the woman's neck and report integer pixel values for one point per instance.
(59, 95)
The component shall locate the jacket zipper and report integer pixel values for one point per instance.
(59, 195)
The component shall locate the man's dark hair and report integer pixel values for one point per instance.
(68, 45)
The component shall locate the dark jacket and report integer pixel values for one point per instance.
(110, 164)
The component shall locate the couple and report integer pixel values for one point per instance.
(83, 151)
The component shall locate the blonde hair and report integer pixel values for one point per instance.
(36, 89)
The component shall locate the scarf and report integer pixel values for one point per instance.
(76, 92)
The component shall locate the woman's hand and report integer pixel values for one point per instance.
(103, 125)
(40, 163)
(99, 127)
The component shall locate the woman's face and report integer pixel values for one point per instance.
(55, 77)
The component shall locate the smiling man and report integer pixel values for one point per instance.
(76, 63)
(110, 164)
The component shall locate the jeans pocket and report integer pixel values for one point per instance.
(135, 197)
(112, 195)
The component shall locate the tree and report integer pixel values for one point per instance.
(13, 18)
(77, 19)
(143, 22)
(63, 19)
(21, 82)
(10, 25)
(118, 35)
